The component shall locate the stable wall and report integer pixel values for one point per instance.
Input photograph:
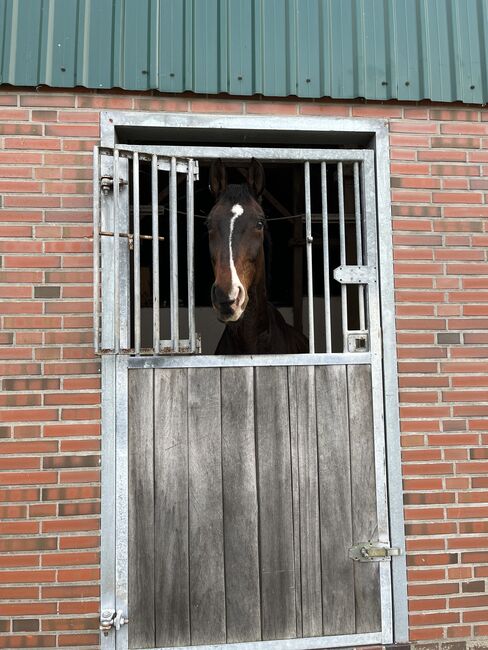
(50, 400)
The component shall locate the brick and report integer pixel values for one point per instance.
(13, 415)
(438, 618)
(54, 624)
(79, 542)
(37, 576)
(30, 478)
(474, 586)
(47, 292)
(70, 493)
(462, 143)
(76, 607)
(72, 591)
(70, 525)
(70, 559)
(26, 625)
(72, 430)
(19, 593)
(443, 155)
(50, 462)
(457, 197)
(43, 99)
(30, 641)
(437, 528)
(78, 640)
(475, 616)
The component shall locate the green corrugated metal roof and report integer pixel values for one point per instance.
(376, 49)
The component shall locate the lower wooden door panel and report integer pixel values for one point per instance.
(247, 487)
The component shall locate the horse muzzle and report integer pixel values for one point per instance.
(229, 309)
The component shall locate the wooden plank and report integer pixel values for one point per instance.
(240, 506)
(141, 510)
(171, 508)
(364, 521)
(275, 503)
(206, 545)
(335, 500)
(295, 490)
(310, 560)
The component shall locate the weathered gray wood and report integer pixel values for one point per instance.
(295, 490)
(335, 499)
(171, 507)
(310, 560)
(240, 506)
(206, 545)
(364, 522)
(141, 509)
(275, 502)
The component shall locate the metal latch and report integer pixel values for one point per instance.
(109, 618)
(355, 274)
(107, 184)
(372, 552)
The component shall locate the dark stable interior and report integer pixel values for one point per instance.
(284, 205)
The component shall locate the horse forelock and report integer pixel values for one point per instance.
(236, 194)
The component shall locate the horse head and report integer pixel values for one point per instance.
(236, 226)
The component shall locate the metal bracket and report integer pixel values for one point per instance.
(355, 274)
(372, 552)
(357, 341)
(107, 184)
(109, 618)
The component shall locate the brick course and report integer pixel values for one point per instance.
(50, 408)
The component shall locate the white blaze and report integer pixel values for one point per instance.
(236, 210)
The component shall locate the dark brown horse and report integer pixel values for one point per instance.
(236, 226)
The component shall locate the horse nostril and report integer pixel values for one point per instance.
(220, 298)
(240, 296)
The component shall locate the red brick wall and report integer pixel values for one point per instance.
(50, 398)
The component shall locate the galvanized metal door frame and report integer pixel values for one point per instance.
(115, 369)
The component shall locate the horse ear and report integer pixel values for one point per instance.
(218, 178)
(255, 178)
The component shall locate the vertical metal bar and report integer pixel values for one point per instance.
(395, 494)
(155, 253)
(116, 254)
(190, 244)
(108, 514)
(342, 249)
(173, 257)
(309, 239)
(121, 498)
(377, 392)
(96, 249)
(137, 254)
(325, 239)
(359, 241)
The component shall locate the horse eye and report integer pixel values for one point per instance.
(260, 224)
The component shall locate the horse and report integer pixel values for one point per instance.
(236, 228)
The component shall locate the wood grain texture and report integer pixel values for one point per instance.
(364, 522)
(242, 590)
(171, 508)
(295, 489)
(141, 509)
(206, 544)
(302, 389)
(275, 503)
(335, 500)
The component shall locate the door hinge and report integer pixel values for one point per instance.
(107, 184)
(109, 618)
(372, 552)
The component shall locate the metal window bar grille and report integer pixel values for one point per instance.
(329, 163)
